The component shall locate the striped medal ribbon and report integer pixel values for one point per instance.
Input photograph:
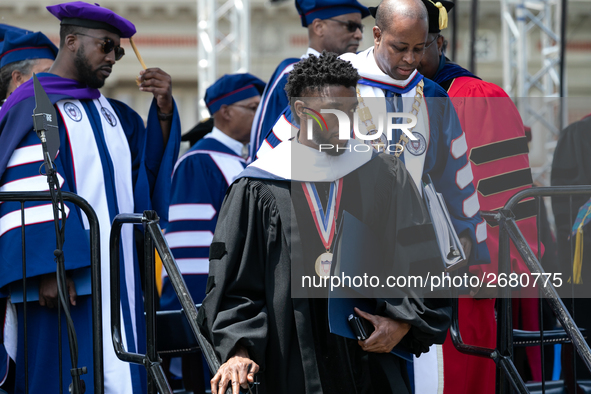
(325, 221)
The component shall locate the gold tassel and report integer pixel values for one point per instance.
(578, 259)
(137, 53)
(442, 15)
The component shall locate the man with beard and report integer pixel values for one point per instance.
(106, 156)
(333, 26)
(497, 147)
(272, 233)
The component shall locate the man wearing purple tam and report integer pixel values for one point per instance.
(110, 158)
(199, 183)
(22, 53)
(333, 26)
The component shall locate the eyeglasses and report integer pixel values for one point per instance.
(432, 41)
(351, 26)
(250, 108)
(108, 45)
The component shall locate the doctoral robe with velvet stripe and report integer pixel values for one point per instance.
(257, 242)
(497, 149)
(116, 164)
(273, 101)
(199, 183)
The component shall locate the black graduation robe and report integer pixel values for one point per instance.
(571, 166)
(265, 232)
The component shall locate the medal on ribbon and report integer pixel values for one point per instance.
(325, 221)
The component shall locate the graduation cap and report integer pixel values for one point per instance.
(92, 16)
(232, 88)
(437, 14)
(324, 9)
(202, 128)
(6, 28)
(21, 45)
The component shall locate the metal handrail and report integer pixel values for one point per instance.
(151, 361)
(97, 317)
(509, 231)
(153, 239)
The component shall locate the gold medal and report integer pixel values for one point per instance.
(325, 222)
(323, 263)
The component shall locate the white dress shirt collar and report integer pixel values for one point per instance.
(235, 146)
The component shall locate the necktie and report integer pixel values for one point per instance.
(394, 104)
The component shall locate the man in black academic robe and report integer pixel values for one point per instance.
(256, 313)
(572, 166)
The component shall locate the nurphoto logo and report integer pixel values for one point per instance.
(378, 138)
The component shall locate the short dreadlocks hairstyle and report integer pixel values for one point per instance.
(315, 73)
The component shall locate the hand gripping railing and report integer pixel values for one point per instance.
(97, 317)
(153, 238)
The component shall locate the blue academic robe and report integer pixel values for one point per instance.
(273, 101)
(199, 183)
(440, 163)
(149, 166)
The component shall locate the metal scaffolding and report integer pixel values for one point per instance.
(223, 35)
(533, 29)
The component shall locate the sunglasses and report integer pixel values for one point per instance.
(351, 26)
(108, 45)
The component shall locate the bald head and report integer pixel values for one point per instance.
(391, 11)
(400, 36)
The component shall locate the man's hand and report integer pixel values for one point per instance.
(466, 245)
(239, 370)
(156, 81)
(48, 290)
(387, 334)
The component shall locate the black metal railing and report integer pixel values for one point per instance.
(508, 377)
(153, 240)
(97, 343)
(507, 374)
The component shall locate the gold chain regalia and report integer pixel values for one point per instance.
(366, 117)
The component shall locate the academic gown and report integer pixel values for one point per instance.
(199, 183)
(498, 152)
(111, 159)
(265, 238)
(571, 166)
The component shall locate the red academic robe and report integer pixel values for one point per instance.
(498, 153)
